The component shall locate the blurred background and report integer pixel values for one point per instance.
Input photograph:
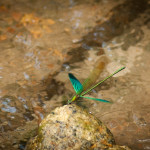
(42, 41)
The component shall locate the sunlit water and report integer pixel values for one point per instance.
(40, 42)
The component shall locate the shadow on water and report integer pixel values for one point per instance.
(119, 20)
(53, 87)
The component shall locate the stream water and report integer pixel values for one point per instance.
(41, 41)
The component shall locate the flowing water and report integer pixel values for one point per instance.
(41, 41)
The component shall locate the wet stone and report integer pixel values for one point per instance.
(64, 130)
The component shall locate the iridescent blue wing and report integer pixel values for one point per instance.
(75, 83)
(96, 99)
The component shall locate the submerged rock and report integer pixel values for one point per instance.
(71, 128)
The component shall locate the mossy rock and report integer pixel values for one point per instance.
(71, 128)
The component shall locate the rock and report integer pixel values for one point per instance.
(71, 128)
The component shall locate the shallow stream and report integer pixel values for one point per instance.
(41, 41)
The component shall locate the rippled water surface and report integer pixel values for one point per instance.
(41, 41)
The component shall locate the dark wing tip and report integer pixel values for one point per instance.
(70, 75)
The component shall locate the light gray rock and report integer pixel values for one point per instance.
(71, 128)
